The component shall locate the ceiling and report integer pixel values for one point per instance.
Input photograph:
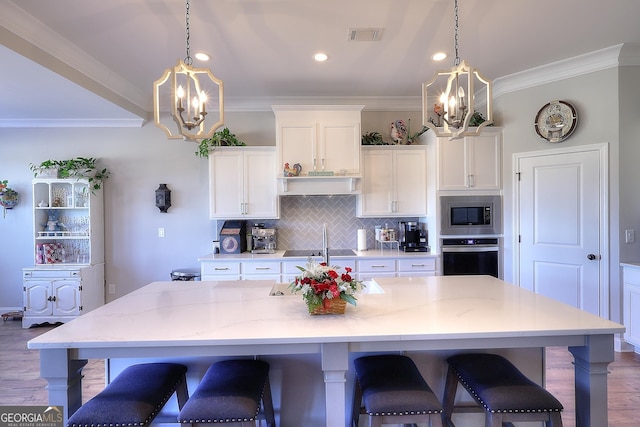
(81, 63)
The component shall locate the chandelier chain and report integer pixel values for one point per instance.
(188, 60)
(456, 62)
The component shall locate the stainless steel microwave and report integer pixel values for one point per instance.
(471, 215)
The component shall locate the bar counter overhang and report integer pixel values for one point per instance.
(202, 319)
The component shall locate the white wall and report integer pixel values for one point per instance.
(608, 106)
(139, 159)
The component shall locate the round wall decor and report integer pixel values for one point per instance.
(556, 121)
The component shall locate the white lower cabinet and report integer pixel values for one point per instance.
(52, 297)
(220, 270)
(60, 295)
(631, 299)
(290, 270)
(416, 267)
(369, 268)
(286, 271)
(260, 270)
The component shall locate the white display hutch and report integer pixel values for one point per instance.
(67, 276)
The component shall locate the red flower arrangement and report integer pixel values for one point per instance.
(320, 283)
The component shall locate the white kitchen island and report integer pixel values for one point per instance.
(177, 320)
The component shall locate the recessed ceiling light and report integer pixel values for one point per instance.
(439, 56)
(202, 56)
(320, 57)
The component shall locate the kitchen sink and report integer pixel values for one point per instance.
(317, 252)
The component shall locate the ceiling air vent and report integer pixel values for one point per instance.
(365, 34)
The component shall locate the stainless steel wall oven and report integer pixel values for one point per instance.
(466, 256)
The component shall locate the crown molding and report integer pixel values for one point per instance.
(567, 68)
(72, 123)
(373, 103)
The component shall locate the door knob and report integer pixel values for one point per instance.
(591, 257)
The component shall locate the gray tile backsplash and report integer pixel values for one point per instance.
(302, 217)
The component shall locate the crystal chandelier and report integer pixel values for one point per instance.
(452, 98)
(187, 101)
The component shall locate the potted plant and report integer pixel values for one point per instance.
(372, 138)
(220, 138)
(8, 197)
(78, 167)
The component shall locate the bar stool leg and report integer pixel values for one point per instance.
(267, 405)
(448, 400)
(357, 404)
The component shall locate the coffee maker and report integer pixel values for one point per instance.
(411, 239)
(263, 239)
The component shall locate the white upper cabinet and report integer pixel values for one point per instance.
(470, 163)
(394, 182)
(319, 137)
(242, 183)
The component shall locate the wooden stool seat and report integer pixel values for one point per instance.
(231, 392)
(393, 392)
(134, 397)
(504, 393)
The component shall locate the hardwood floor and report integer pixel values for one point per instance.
(20, 382)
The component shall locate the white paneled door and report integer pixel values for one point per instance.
(561, 199)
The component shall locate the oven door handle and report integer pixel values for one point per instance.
(470, 249)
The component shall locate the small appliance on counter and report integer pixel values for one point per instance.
(233, 237)
(412, 238)
(264, 239)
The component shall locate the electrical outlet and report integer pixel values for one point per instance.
(629, 236)
(161, 232)
(112, 288)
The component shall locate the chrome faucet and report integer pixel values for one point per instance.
(325, 245)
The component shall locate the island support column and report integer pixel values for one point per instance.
(591, 362)
(335, 363)
(64, 378)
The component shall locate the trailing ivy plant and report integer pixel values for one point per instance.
(220, 138)
(78, 167)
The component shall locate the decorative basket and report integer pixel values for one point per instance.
(330, 306)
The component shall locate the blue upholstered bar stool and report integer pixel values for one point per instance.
(393, 392)
(230, 393)
(134, 397)
(503, 392)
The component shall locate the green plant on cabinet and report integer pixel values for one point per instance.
(78, 167)
(220, 138)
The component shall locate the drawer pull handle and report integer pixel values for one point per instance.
(417, 265)
(378, 266)
(263, 268)
(221, 268)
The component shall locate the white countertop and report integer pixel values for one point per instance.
(450, 308)
(279, 256)
(630, 264)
